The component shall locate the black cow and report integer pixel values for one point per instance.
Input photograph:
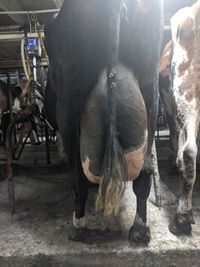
(102, 95)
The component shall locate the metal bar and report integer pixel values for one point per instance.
(11, 37)
(29, 12)
(10, 104)
(17, 36)
(22, 145)
(9, 167)
(12, 65)
(9, 149)
(10, 27)
(47, 144)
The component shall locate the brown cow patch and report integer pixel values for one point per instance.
(190, 95)
(183, 67)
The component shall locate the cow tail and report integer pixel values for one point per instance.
(112, 183)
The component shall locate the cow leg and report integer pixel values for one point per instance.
(80, 186)
(186, 161)
(63, 159)
(173, 134)
(156, 175)
(173, 143)
(150, 95)
(80, 194)
(140, 232)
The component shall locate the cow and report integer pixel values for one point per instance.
(102, 95)
(166, 97)
(16, 92)
(166, 93)
(180, 70)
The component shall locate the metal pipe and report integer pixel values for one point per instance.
(17, 36)
(42, 42)
(29, 12)
(29, 21)
(35, 69)
(11, 37)
(10, 27)
(27, 61)
(13, 64)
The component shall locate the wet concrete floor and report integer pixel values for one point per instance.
(36, 235)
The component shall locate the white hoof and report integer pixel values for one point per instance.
(79, 223)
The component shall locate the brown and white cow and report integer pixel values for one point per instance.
(185, 78)
(166, 92)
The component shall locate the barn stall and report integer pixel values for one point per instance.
(35, 229)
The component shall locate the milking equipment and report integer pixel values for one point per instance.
(32, 50)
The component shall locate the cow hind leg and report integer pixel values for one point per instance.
(140, 232)
(80, 194)
(186, 160)
(150, 95)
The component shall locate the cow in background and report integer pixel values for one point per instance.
(16, 92)
(183, 98)
(166, 96)
(78, 102)
(166, 92)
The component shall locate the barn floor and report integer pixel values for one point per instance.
(37, 234)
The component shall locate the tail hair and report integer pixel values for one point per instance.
(111, 188)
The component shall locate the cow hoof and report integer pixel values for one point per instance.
(181, 224)
(139, 234)
(77, 234)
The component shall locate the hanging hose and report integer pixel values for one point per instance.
(23, 59)
(28, 63)
(42, 42)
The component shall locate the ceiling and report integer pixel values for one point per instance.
(13, 24)
(25, 5)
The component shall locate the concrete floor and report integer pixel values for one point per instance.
(37, 234)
